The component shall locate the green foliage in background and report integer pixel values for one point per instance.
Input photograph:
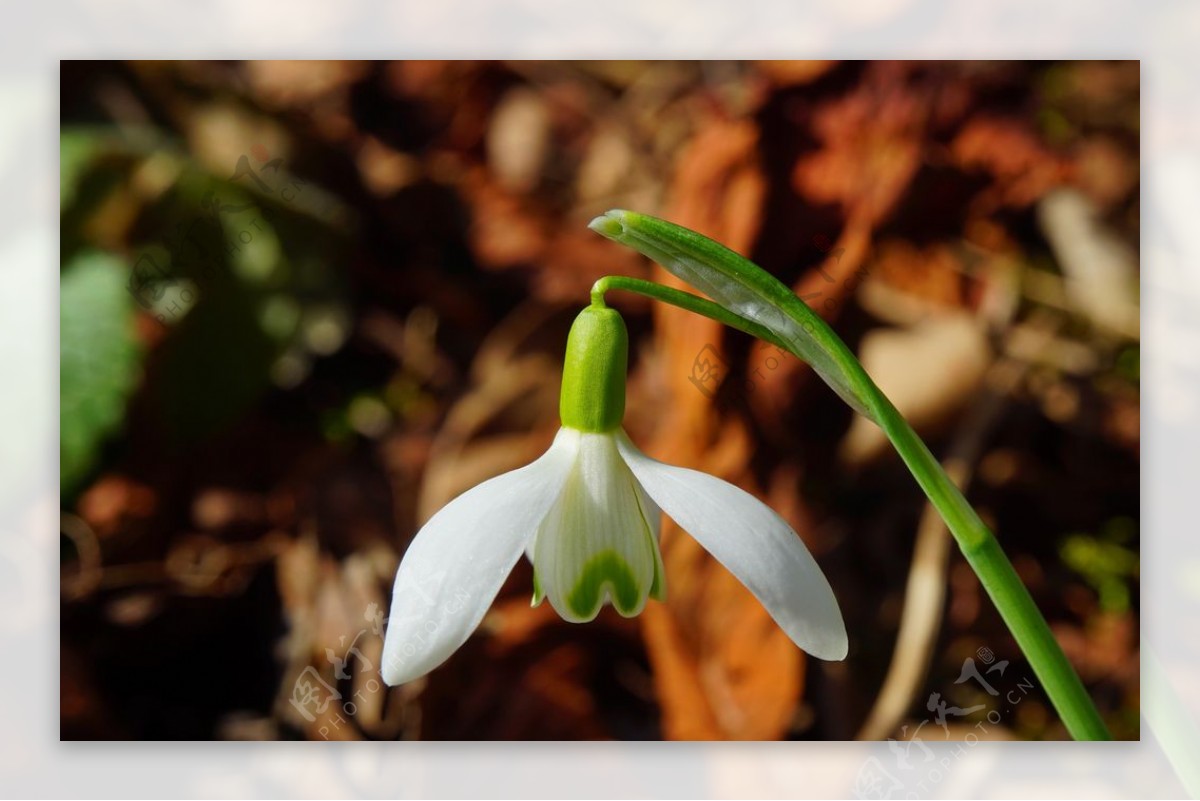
(100, 360)
(238, 262)
(1108, 563)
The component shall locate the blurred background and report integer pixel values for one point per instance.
(304, 304)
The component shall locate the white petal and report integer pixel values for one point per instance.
(653, 516)
(596, 544)
(754, 543)
(459, 559)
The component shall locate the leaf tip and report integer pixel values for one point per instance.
(610, 224)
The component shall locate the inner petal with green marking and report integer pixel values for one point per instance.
(599, 543)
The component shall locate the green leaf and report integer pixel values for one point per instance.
(99, 360)
(746, 290)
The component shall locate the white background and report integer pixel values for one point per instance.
(34, 35)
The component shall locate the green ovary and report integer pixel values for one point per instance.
(593, 383)
(605, 570)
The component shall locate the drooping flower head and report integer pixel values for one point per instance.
(588, 514)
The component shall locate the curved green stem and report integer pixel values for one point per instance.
(751, 300)
(998, 577)
(683, 300)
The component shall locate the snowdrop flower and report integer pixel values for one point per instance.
(587, 514)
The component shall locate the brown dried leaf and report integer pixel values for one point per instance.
(503, 233)
(113, 502)
(1022, 167)
(794, 73)
(292, 84)
(872, 143)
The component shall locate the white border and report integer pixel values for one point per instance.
(32, 761)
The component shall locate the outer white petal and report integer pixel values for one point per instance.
(459, 559)
(754, 543)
